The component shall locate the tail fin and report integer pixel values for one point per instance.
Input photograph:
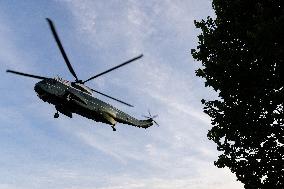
(145, 123)
(151, 118)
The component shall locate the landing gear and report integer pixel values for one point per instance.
(56, 115)
(113, 128)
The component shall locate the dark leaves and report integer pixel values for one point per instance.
(242, 54)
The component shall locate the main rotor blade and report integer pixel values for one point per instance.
(156, 123)
(113, 98)
(27, 75)
(52, 27)
(111, 69)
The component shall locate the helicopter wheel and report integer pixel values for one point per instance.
(56, 115)
(113, 128)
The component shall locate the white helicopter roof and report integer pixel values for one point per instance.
(77, 86)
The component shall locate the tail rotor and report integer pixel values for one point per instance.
(151, 117)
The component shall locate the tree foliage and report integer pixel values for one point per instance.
(242, 51)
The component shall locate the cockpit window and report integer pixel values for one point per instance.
(52, 81)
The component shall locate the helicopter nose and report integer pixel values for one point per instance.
(39, 89)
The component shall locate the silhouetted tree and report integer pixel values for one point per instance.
(242, 51)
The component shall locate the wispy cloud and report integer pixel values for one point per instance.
(8, 52)
(180, 144)
(87, 154)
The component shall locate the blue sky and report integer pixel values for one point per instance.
(37, 151)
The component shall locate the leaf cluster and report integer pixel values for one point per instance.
(242, 53)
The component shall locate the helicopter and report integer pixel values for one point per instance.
(74, 97)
